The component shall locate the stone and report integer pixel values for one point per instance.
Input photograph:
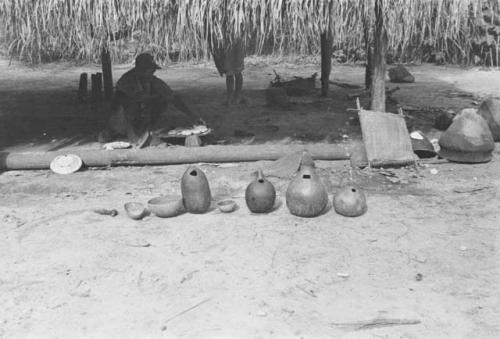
(490, 111)
(400, 74)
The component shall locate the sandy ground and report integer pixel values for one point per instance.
(422, 263)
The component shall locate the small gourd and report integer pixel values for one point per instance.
(260, 194)
(350, 201)
(306, 195)
(195, 191)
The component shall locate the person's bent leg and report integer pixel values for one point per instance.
(116, 125)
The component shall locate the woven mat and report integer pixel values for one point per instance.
(386, 139)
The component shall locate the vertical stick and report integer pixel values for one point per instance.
(96, 86)
(379, 66)
(83, 87)
(326, 61)
(326, 54)
(98, 76)
(107, 74)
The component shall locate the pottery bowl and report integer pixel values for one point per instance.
(226, 206)
(166, 207)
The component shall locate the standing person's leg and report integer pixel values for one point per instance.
(230, 83)
(235, 65)
(238, 87)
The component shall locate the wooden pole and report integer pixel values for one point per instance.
(326, 54)
(379, 66)
(173, 155)
(326, 61)
(83, 87)
(96, 86)
(107, 74)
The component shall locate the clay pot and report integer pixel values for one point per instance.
(306, 196)
(467, 140)
(260, 195)
(350, 201)
(195, 190)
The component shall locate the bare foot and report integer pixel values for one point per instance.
(143, 140)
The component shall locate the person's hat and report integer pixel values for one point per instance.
(146, 61)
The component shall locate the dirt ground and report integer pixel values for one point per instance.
(423, 262)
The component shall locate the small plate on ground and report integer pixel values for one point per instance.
(66, 164)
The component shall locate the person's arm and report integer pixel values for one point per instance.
(180, 105)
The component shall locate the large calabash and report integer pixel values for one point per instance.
(306, 195)
(195, 191)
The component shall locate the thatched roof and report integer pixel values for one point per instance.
(38, 30)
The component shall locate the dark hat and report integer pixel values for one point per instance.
(146, 61)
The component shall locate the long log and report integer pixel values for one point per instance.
(172, 155)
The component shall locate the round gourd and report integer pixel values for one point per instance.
(350, 201)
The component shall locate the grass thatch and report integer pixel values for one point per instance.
(40, 30)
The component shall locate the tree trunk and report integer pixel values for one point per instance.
(107, 74)
(369, 51)
(379, 66)
(326, 61)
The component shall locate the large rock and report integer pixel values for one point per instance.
(400, 74)
(467, 140)
(490, 111)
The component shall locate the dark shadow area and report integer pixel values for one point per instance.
(49, 119)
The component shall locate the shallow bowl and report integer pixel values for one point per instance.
(226, 206)
(166, 207)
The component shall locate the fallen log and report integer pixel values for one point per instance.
(172, 155)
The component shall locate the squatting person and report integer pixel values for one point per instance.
(139, 101)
